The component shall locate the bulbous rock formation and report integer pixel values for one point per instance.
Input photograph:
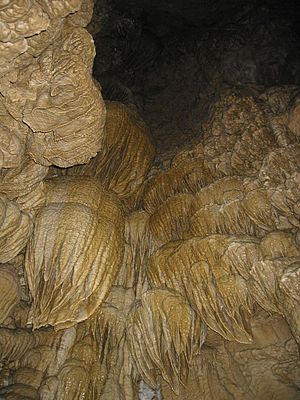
(126, 158)
(134, 272)
(66, 99)
(24, 184)
(81, 232)
(49, 86)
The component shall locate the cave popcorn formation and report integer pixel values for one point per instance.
(129, 271)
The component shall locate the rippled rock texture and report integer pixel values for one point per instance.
(149, 238)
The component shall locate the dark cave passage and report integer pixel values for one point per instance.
(171, 60)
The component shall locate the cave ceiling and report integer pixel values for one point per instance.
(149, 200)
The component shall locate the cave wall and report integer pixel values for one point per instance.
(150, 201)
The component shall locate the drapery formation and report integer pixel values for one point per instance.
(119, 270)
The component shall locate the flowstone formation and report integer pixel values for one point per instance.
(129, 271)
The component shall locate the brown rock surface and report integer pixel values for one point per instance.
(138, 271)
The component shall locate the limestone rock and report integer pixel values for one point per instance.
(15, 229)
(81, 231)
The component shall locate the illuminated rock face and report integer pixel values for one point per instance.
(130, 273)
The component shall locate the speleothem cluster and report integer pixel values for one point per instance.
(121, 279)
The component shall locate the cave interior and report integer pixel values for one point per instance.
(149, 200)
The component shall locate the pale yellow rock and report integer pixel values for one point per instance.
(110, 367)
(81, 231)
(14, 343)
(177, 283)
(83, 16)
(294, 117)
(258, 208)
(9, 51)
(73, 381)
(264, 370)
(60, 8)
(61, 341)
(24, 184)
(279, 244)
(67, 112)
(264, 282)
(38, 358)
(160, 187)
(279, 164)
(98, 377)
(48, 388)
(125, 160)
(78, 376)
(10, 290)
(11, 148)
(172, 218)
(15, 229)
(27, 376)
(226, 219)
(163, 333)
(19, 19)
(220, 192)
(38, 43)
(212, 277)
(250, 150)
(238, 125)
(289, 301)
(251, 214)
(290, 281)
(181, 178)
(138, 247)
(108, 323)
(12, 139)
